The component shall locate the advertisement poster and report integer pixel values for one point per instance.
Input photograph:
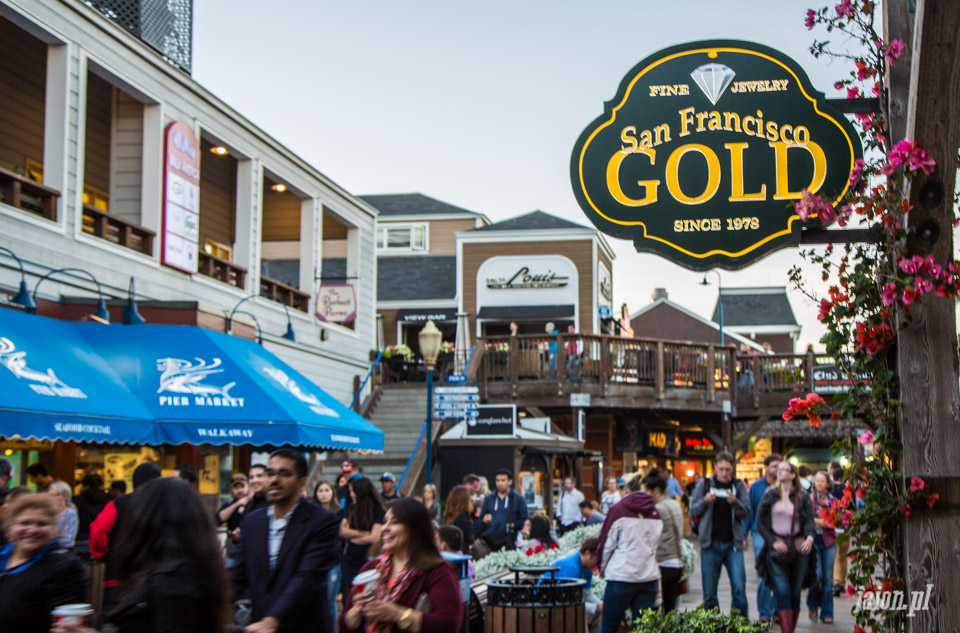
(181, 198)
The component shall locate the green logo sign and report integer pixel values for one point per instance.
(704, 151)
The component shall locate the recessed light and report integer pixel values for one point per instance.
(279, 187)
(219, 150)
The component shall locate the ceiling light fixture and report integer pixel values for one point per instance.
(219, 150)
(279, 187)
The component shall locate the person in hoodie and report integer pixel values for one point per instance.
(721, 504)
(627, 553)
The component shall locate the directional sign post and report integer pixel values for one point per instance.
(456, 403)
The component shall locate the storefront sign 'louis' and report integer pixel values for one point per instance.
(705, 150)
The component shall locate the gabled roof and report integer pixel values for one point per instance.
(755, 306)
(533, 221)
(743, 340)
(412, 204)
(416, 277)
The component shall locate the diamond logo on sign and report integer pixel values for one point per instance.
(713, 79)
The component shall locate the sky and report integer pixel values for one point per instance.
(479, 104)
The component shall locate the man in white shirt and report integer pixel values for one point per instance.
(568, 507)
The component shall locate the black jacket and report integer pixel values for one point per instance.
(168, 601)
(293, 592)
(765, 515)
(29, 594)
(90, 503)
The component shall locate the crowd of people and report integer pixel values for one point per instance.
(297, 560)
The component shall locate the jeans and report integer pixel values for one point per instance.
(820, 595)
(765, 603)
(788, 582)
(619, 596)
(670, 587)
(712, 561)
(333, 588)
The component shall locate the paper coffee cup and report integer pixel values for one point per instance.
(366, 582)
(73, 614)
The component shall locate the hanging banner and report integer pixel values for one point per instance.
(337, 303)
(704, 151)
(181, 198)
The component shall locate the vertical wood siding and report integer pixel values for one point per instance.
(23, 77)
(126, 156)
(96, 148)
(218, 187)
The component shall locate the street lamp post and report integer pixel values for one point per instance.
(430, 338)
(719, 300)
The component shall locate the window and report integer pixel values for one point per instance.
(217, 249)
(412, 238)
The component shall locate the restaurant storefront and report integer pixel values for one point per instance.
(88, 397)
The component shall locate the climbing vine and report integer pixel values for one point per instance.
(872, 288)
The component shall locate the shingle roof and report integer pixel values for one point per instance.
(755, 306)
(415, 277)
(411, 204)
(534, 221)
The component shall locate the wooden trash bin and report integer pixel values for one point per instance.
(533, 603)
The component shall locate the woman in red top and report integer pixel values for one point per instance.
(416, 591)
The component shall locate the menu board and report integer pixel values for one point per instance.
(181, 197)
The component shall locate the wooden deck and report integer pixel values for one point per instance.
(543, 370)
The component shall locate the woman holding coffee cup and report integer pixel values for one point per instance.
(36, 574)
(409, 587)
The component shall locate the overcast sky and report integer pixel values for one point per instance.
(477, 104)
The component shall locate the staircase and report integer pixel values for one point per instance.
(400, 413)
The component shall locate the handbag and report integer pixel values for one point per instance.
(786, 558)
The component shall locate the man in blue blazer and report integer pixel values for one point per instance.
(285, 552)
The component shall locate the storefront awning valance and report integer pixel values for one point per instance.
(527, 312)
(54, 387)
(423, 315)
(202, 386)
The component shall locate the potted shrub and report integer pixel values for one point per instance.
(699, 620)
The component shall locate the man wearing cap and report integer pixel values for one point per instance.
(388, 488)
(231, 513)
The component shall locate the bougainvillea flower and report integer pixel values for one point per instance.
(889, 294)
(893, 51)
(845, 9)
(865, 438)
(932, 499)
(917, 484)
(906, 510)
(809, 22)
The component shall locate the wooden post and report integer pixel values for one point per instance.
(605, 367)
(65, 461)
(660, 370)
(560, 359)
(927, 350)
(711, 373)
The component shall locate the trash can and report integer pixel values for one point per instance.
(533, 602)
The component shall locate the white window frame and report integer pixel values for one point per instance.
(382, 230)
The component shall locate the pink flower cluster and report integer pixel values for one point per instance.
(813, 206)
(909, 153)
(845, 9)
(809, 407)
(925, 275)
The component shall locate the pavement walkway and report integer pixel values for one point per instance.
(842, 619)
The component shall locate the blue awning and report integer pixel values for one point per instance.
(205, 387)
(53, 386)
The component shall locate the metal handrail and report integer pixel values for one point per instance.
(412, 454)
(365, 380)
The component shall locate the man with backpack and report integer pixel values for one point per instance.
(502, 514)
(721, 503)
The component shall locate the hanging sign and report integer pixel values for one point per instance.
(704, 151)
(493, 419)
(181, 197)
(337, 303)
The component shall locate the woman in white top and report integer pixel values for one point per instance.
(670, 545)
(609, 497)
(67, 522)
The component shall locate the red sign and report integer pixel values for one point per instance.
(337, 303)
(698, 445)
(181, 198)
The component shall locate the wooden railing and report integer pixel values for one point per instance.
(600, 364)
(117, 230)
(222, 270)
(25, 194)
(293, 297)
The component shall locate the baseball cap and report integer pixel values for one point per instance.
(388, 477)
(346, 466)
(238, 478)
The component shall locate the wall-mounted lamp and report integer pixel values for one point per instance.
(219, 150)
(289, 335)
(130, 314)
(23, 297)
(101, 315)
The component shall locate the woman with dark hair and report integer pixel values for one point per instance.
(785, 520)
(820, 596)
(669, 547)
(539, 534)
(458, 512)
(36, 574)
(169, 565)
(416, 591)
(325, 496)
(360, 528)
